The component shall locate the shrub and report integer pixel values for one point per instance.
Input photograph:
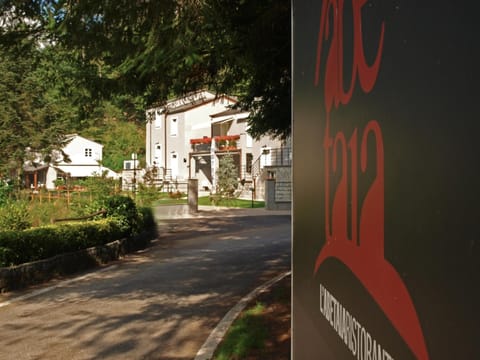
(100, 185)
(6, 190)
(33, 244)
(124, 220)
(227, 173)
(146, 218)
(7, 256)
(123, 208)
(14, 216)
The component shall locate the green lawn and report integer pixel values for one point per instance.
(206, 201)
(236, 203)
(170, 201)
(246, 333)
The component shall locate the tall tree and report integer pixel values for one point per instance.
(31, 120)
(251, 51)
(48, 91)
(169, 47)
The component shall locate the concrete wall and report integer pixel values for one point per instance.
(278, 188)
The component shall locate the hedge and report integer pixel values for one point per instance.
(17, 247)
(123, 220)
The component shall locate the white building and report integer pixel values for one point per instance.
(187, 137)
(170, 128)
(83, 159)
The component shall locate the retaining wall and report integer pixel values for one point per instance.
(19, 276)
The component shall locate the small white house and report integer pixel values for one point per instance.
(83, 158)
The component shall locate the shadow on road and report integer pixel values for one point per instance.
(156, 304)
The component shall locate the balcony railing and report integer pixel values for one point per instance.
(222, 143)
(276, 157)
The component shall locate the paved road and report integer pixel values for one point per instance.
(158, 304)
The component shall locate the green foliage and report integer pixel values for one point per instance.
(146, 218)
(44, 94)
(156, 49)
(120, 135)
(99, 188)
(236, 203)
(100, 185)
(14, 215)
(43, 213)
(17, 247)
(124, 209)
(6, 190)
(253, 60)
(227, 176)
(49, 91)
(19, 243)
(146, 195)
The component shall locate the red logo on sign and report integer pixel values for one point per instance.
(363, 251)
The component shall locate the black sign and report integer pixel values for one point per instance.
(386, 247)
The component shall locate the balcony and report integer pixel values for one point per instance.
(222, 143)
(201, 145)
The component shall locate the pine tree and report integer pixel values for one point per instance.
(227, 176)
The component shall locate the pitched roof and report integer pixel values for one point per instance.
(230, 114)
(190, 101)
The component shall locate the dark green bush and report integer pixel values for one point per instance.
(123, 207)
(18, 247)
(145, 218)
(123, 220)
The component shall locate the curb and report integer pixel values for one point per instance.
(216, 336)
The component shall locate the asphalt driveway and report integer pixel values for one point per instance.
(161, 303)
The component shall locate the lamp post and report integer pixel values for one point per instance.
(134, 182)
(252, 189)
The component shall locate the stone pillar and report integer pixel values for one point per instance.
(270, 194)
(192, 196)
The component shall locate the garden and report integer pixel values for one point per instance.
(93, 212)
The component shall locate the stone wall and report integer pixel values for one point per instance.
(19, 276)
(278, 187)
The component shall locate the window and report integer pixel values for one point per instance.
(248, 163)
(88, 152)
(173, 127)
(265, 157)
(158, 153)
(158, 119)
